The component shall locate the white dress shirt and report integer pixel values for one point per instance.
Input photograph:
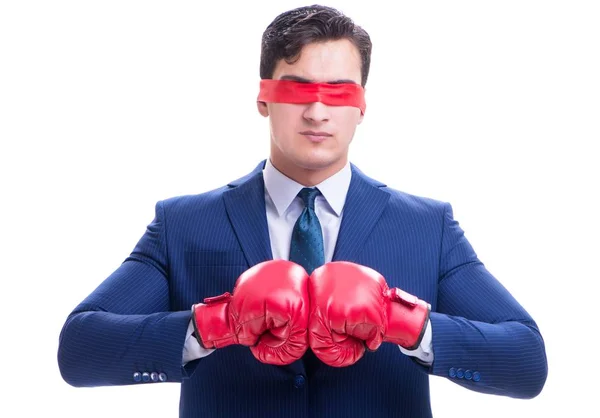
(283, 207)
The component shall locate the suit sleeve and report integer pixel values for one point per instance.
(483, 338)
(124, 328)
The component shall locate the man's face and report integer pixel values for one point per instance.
(293, 148)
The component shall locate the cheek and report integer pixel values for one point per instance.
(353, 115)
(348, 119)
(284, 117)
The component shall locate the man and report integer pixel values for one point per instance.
(305, 288)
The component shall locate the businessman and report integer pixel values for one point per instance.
(305, 288)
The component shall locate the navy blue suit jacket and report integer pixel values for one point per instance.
(131, 329)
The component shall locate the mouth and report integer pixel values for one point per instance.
(316, 136)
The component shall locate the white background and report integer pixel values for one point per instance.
(107, 107)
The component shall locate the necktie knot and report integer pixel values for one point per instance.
(308, 196)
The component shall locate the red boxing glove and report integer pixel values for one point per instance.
(353, 307)
(268, 311)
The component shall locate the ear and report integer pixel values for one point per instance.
(262, 108)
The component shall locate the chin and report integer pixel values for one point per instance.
(318, 162)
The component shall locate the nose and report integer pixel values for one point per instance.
(317, 112)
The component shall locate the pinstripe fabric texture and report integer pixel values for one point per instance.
(131, 329)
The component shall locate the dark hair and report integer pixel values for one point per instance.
(289, 32)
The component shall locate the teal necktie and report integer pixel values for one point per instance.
(307, 247)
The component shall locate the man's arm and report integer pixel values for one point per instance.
(483, 338)
(124, 328)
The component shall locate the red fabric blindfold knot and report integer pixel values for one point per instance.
(287, 91)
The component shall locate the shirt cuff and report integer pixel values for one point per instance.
(424, 352)
(192, 350)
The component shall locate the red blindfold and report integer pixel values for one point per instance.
(287, 91)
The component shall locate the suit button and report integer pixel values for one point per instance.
(468, 374)
(137, 377)
(145, 377)
(452, 372)
(460, 373)
(162, 377)
(476, 377)
(154, 376)
(299, 381)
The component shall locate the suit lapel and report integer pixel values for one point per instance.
(245, 205)
(364, 205)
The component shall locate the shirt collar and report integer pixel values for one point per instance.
(283, 189)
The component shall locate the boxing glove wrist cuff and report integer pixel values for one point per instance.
(407, 319)
(211, 322)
